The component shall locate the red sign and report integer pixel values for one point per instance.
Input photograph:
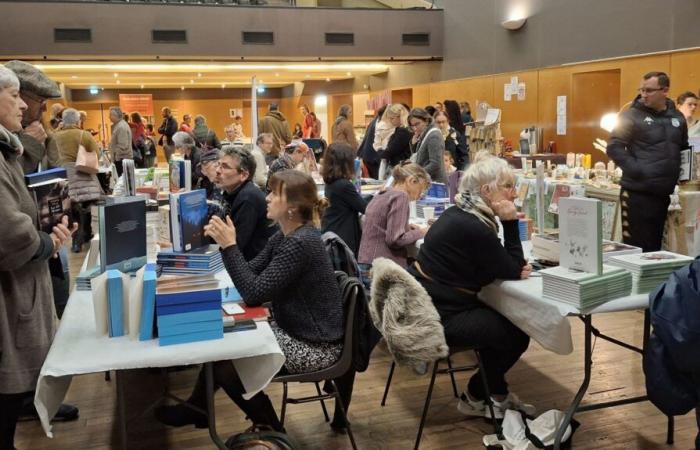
(141, 103)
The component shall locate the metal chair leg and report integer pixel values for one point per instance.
(669, 430)
(487, 391)
(388, 382)
(452, 377)
(345, 415)
(284, 403)
(428, 397)
(108, 376)
(323, 404)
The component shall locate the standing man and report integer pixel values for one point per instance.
(120, 143)
(243, 200)
(167, 129)
(275, 123)
(647, 144)
(35, 89)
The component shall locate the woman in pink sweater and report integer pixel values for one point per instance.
(386, 231)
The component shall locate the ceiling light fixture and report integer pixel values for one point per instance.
(191, 81)
(182, 88)
(119, 82)
(142, 86)
(199, 75)
(514, 24)
(116, 75)
(176, 67)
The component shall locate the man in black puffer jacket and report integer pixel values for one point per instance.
(647, 144)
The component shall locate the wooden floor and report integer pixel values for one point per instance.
(541, 378)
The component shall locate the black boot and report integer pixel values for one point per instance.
(180, 415)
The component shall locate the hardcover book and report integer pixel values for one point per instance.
(580, 234)
(115, 303)
(52, 202)
(45, 175)
(188, 213)
(148, 306)
(123, 234)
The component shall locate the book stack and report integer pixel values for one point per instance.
(84, 278)
(201, 261)
(650, 269)
(188, 313)
(585, 290)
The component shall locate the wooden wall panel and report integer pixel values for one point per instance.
(551, 84)
(472, 90)
(421, 95)
(685, 69)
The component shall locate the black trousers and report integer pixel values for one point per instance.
(499, 342)
(119, 166)
(259, 409)
(643, 219)
(10, 408)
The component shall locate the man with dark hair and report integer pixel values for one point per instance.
(167, 129)
(275, 123)
(243, 200)
(647, 144)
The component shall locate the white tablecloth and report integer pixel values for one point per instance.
(77, 350)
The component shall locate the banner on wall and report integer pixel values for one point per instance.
(141, 103)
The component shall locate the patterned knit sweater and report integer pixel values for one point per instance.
(295, 274)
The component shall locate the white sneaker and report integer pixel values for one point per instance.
(472, 407)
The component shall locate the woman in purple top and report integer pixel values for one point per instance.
(386, 231)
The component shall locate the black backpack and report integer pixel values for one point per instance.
(342, 258)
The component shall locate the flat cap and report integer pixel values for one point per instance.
(34, 80)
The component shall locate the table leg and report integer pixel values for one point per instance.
(209, 376)
(587, 362)
(121, 408)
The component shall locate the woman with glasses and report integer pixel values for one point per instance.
(427, 144)
(462, 253)
(455, 143)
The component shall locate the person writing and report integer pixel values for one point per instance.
(461, 254)
(293, 272)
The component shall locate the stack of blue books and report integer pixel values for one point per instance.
(189, 316)
(201, 261)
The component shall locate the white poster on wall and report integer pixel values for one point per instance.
(561, 115)
(507, 92)
(521, 91)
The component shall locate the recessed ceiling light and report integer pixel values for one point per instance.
(328, 79)
(223, 86)
(182, 88)
(116, 74)
(119, 82)
(75, 77)
(277, 74)
(199, 75)
(142, 86)
(349, 74)
(191, 81)
(307, 75)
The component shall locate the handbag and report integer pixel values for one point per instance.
(86, 161)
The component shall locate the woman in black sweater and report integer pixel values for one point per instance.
(342, 216)
(293, 272)
(461, 254)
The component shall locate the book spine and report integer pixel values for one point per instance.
(115, 300)
(103, 239)
(194, 327)
(178, 298)
(187, 307)
(191, 337)
(207, 315)
(148, 306)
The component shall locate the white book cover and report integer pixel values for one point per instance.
(135, 292)
(654, 259)
(580, 234)
(176, 239)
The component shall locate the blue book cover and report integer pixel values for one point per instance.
(187, 307)
(193, 215)
(123, 234)
(178, 298)
(207, 315)
(206, 253)
(45, 175)
(115, 303)
(230, 294)
(148, 305)
(195, 327)
(191, 337)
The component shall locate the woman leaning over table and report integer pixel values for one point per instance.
(27, 314)
(386, 231)
(294, 272)
(461, 254)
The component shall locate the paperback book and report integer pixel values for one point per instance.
(123, 234)
(51, 196)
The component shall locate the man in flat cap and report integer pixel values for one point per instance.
(35, 89)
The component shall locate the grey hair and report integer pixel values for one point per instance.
(344, 111)
(246, 160)
(8, 79)
(486, 171)
(70, 116)
(263, 136)
(183, 140)
(200, 120)
(117, 111)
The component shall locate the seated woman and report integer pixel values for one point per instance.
(386, 232)
(294, 272)
(461, 254)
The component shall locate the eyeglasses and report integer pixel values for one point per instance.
(649, 90)
(225, 166)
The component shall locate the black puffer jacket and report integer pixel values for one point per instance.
(646, 144)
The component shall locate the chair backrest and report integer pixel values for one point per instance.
(342, 258)
(349, 288)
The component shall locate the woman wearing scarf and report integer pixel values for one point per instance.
(462, 253)
(27, 314)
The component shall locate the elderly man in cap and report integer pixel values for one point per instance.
(35, 89)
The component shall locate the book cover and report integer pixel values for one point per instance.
(164, 223)
(123, 234)
(580, 234)
(148, 306)
(175, 237)
(191, 337)
(206, 315)
(52, 202)
(560, 191)
(175, 185)
(256, 313)
(193, 215)
(45, 175)
(187, 307)
(115, 302)
(191, 296)
(190, 327)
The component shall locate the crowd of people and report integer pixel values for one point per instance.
(270, 229)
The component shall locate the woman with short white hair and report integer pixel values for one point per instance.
(186, 145)
(27, 314)
(462, 253)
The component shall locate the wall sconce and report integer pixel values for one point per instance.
(514, 24)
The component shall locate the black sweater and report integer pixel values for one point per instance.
(295, 274)
(461, 251)
(647, 145)
(341, 217)
(248, 210)
(399, 146)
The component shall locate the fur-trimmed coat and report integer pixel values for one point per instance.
(403, 312)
